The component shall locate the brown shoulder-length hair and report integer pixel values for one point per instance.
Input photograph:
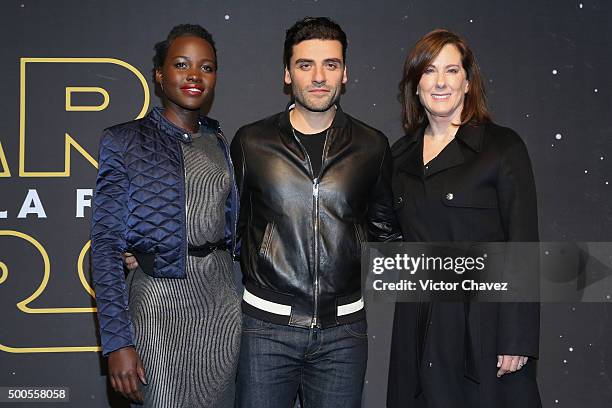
(422, 55)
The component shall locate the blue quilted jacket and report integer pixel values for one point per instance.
(139, 206)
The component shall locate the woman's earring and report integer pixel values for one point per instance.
(162, 86)
(417, 92)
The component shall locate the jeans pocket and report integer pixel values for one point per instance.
(358, 329)
(253, 325)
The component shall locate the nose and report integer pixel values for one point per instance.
(318, 76)
(440, 80)
(194, 75)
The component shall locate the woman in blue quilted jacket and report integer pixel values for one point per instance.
(165, 192)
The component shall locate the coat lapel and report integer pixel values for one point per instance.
(472, 136)
(454, 154)
(450, 156)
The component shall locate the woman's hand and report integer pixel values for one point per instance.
(125, 369)
(510, 364)
(130, 261)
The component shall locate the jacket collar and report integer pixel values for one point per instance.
(472, 136)
(340, 119)
(159, 121)
(409, 155)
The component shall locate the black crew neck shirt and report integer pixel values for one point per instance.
(314, 145)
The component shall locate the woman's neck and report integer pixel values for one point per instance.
(183, 118)
(442, 128)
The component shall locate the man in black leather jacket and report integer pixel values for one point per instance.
(315, 185)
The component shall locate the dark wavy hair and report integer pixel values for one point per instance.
(422, 55)
(313, 28)
(161, 48)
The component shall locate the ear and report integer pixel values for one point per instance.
(158, 76)
(467, 86)
(287, 76)
(344, 76)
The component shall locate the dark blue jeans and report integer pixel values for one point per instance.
(325, 366)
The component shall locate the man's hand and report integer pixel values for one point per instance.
(125, 369)
(130, 261)
(510, 364)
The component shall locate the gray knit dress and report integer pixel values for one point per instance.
(187, 331)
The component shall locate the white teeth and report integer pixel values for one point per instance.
(440, 96)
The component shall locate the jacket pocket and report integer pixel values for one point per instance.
(477, 198)
(359, 233)
(361, 238)
(266, 241)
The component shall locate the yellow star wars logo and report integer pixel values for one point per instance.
(102, 99)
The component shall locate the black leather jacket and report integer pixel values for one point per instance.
(302, 233)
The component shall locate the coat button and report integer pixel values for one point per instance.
(449, 196)
(185, 136)
(399, 200)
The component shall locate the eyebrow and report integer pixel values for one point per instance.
(187, 58)
(447, 66)
(301, 60)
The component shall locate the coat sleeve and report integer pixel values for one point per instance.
(108, 243)
(519, 323)
(238, 158)
(382, 223)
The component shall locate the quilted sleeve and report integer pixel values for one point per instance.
(108, 244)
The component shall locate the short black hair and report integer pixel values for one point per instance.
(196, 30)
(313, 28)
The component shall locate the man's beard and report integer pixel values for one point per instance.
(323, 105)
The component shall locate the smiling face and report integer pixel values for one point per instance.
(189, 74)
(443, 85)
(316, 73)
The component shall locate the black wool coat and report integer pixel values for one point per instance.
(480, 188)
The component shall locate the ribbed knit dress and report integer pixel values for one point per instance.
(187, 331)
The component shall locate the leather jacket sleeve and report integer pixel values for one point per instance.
(382, 223)
(108, 243)
(519, 323)
(237, 153)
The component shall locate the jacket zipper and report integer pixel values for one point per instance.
(315, 198)
(181, 155)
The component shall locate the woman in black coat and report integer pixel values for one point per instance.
(459, 177)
